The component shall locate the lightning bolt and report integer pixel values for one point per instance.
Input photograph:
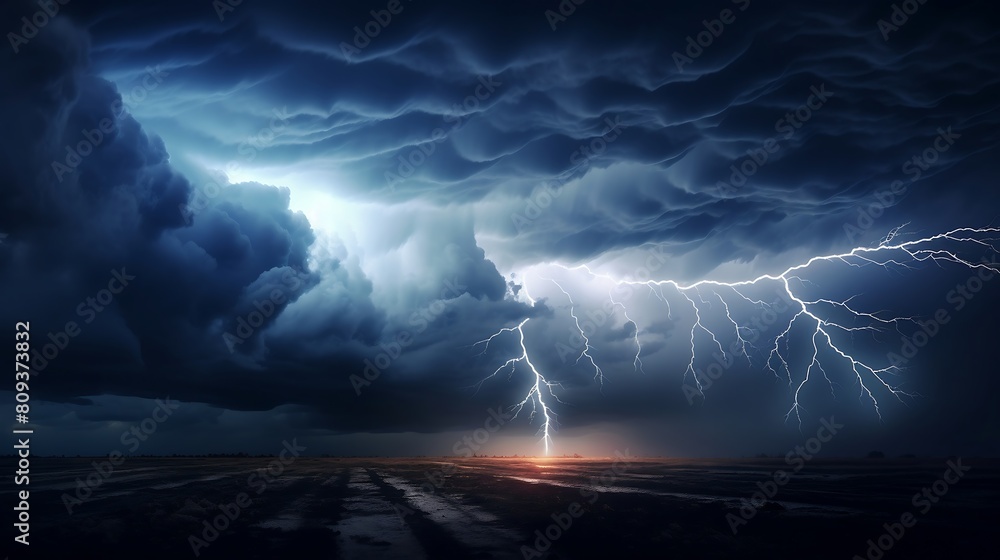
(636, 363)
(815, 314)
(585, 353)
(535, 393)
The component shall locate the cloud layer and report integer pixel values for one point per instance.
(294, 195)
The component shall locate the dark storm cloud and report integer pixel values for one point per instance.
(91, 206)
(452, 117)
(409, 117)
(87, 200)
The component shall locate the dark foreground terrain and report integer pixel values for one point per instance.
(442, 508)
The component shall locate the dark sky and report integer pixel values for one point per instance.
(280, 191)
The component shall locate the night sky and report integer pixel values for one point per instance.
(241, 206)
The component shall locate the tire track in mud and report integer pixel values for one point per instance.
(300, 524)
(478, 532)
(369, 527)
(435, 539)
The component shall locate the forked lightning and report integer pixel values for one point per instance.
(815, 313)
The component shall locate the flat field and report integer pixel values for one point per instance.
(443, 508)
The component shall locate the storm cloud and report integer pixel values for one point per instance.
(299, 195)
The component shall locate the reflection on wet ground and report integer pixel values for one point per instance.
(375, 509)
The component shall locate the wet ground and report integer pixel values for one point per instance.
(442, 508)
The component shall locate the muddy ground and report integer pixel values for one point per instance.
(442, 508)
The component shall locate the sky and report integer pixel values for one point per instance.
(301, 219)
